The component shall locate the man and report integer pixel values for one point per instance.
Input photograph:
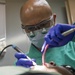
(37, 20)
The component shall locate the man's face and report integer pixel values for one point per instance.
(36, 30)
(51, 69)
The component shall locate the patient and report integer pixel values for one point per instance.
(47, 69)
(50, 69)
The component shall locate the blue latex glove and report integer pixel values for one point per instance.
(23, 61)
(55, 38)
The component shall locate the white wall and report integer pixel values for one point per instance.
(2, 1)
(58, 7)
(2, 21)
(14, 34)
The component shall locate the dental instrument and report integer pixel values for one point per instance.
(18, 50)
(45, 46)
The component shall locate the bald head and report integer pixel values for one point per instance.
(35, 11)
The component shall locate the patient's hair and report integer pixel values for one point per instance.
(38, 73)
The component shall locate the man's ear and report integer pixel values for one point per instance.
(54, 18)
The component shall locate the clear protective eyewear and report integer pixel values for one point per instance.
(40, 25)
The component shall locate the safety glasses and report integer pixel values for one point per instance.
(37, 26)
(43, 24)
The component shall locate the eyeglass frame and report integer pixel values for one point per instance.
(37, 26)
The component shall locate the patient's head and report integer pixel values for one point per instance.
(52, 69)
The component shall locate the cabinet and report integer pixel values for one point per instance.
(70, 9)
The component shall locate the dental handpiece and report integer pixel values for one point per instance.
(68, 32)
(19, 50)
(64, 34)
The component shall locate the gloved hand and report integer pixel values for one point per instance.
(22, 60)
(55, 38)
